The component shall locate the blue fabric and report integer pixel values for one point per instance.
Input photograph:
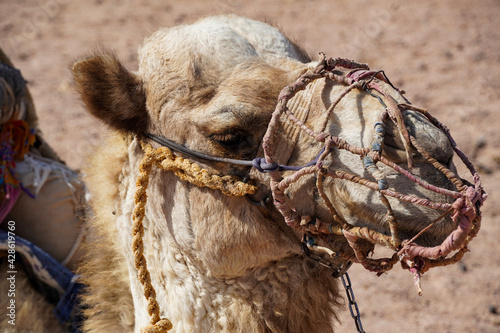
(51, 272)
(68, 300)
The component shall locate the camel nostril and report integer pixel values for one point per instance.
(429, 137)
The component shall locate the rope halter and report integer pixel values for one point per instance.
(360, 241)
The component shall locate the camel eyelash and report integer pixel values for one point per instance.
(229, 139)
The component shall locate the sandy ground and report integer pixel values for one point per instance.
(445, 54)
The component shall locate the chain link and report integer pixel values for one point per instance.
(339, 271)
(353, 306)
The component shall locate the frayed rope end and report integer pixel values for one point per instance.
(161, 326)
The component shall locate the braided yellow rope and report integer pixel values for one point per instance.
(185, 170)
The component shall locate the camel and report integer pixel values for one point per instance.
(222, 263)
(257, 260)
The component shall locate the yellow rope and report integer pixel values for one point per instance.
(193, 173)
(185, 170)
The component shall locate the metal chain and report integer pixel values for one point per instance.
(353, 306)
(340, 272)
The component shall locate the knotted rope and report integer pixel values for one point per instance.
(185, 170)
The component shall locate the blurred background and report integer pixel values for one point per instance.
(445, 54)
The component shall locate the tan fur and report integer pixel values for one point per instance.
(218, 263)
(104, 270)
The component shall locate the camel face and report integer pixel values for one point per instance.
(219, 100)
(212, 92)
(212, 87)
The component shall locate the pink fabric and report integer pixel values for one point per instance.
(360, 74)
(464, 213)
(11, 195)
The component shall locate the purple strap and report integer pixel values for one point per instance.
(260, 164)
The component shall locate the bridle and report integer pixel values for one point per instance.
(360, 241)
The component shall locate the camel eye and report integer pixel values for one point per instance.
(230, 140)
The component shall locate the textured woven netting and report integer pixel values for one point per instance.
(468, 197)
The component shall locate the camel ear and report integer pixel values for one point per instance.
(112, 93)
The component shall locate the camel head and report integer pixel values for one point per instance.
(212, 87)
